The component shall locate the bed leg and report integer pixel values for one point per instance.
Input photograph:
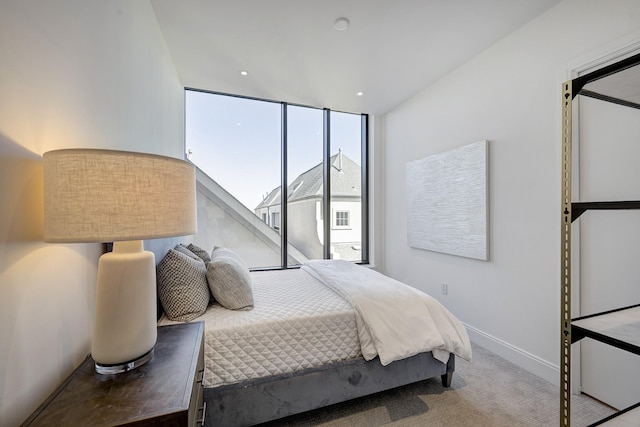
(446, 379)
(448, 376)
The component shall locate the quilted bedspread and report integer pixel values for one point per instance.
(325, 312)
(296, 323)
(397, 320)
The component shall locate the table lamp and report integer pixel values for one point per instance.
(123, 197)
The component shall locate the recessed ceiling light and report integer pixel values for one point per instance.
(359, 93)
(341, 24)
(244, 72)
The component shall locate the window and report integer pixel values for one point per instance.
(275, 220)
(251, 149)
(236, 142)
(341, 219)
(346, 187)
(305, 148)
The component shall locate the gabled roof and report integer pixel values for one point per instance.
(273, 198)
(346, 181)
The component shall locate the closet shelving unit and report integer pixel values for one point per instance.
(617, 83)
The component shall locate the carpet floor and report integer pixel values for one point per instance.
(488, 391)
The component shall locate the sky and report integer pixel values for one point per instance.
(236, 141)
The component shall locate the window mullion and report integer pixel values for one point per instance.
(283, 188)
(326, 183)
(364, 161)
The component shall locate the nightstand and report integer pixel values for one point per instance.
(166, 391)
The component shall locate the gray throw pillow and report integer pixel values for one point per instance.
(182, 286)
(198, 253)
(204, 255)
(185, 250)
(229, 280)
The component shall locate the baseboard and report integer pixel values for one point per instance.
(515, 355)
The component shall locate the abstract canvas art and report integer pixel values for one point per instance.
(447, 209)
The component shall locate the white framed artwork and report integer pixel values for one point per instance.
(447, 208)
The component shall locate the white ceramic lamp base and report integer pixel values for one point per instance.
(125, 328)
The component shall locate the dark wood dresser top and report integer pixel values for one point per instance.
(158, 392)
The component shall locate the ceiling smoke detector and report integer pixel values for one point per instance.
(341, 24)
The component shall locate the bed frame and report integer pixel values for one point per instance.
(257, 401)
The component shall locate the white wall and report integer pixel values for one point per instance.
(305, 227)
(350, 234)
(510, 95)
(75, 73)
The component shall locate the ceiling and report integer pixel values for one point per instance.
(293, 53)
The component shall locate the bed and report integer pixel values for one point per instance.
(311, 339)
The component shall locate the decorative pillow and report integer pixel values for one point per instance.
(182, 286)
(196, 253)
(185, 250)
(199, 252)
(229, 280)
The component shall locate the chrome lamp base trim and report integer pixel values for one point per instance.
(120, 368)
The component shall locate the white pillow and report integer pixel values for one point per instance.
(229, 280)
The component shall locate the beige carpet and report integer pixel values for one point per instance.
(489, 391)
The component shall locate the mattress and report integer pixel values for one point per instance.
(296, 323)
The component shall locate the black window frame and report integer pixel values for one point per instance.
(326, 196)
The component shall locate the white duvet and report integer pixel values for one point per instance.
(395, 320)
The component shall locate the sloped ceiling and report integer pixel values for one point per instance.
(292, 52)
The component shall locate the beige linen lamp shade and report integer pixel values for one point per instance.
(106, 196)
(123, 197)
